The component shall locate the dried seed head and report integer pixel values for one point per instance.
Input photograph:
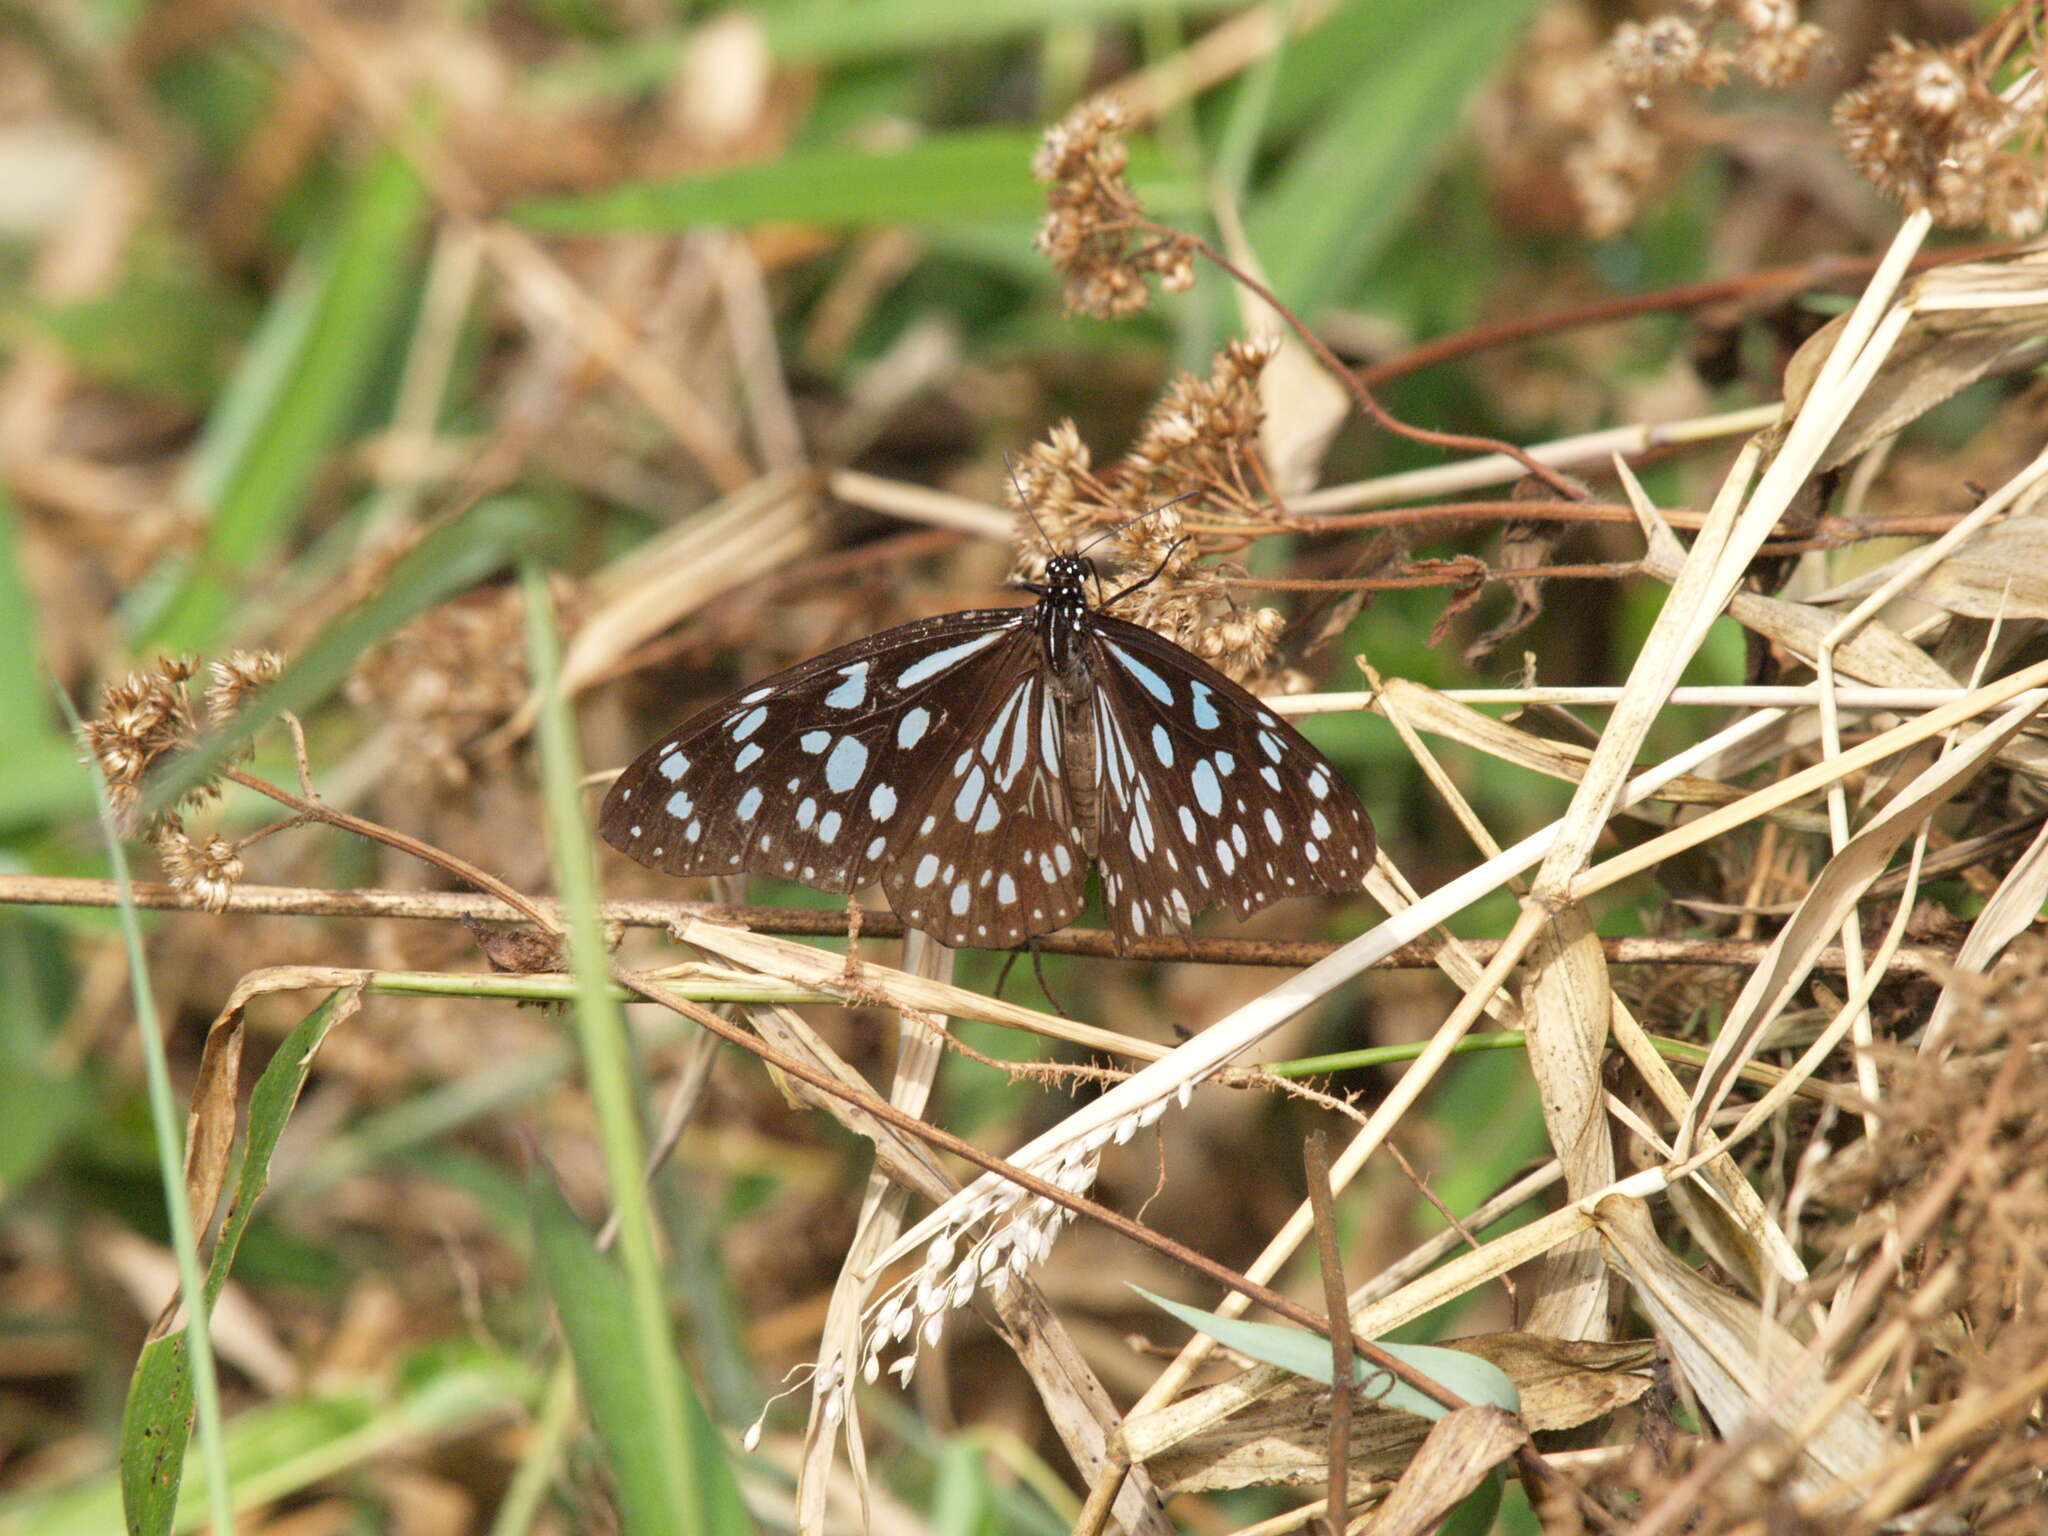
(1927, 129)
(237, 675)
(141, 719)
(1091, 232)
(207, 869)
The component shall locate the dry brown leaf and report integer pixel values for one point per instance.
(1463, 1446)
(1968, 319)
(1279, 1432)
(1739, 1361)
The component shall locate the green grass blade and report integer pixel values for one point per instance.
(945, 177)
(658, 1435)
(168, 1130)
(25, 717)
(297, 396)
(1343, 195)
(1308, 1355)
(821, 30)
(157, 1420)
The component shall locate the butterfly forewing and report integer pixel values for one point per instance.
(1207, 796)
(813, 773)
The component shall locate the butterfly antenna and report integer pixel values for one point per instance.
(1110, 533)
(1024, 501)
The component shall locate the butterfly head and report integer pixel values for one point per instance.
(1066, 577)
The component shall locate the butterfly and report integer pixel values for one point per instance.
(975, 764)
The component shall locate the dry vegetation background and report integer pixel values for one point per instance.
(404, 403)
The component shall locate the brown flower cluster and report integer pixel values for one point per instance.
(447, 678)
(1929, 129)
(1191, 484)
(1092, 232)
(142, 719)
(1970, 1306)
(148, 716)
(1763, 39)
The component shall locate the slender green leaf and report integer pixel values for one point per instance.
(819, 30)
(1342, 196)
(25, 718)
(158, 1417)
(970, 174)
(280, 1449)
(659, 1436)
(1308, 1355)
(297, 395)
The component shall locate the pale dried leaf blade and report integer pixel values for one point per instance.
(2009, 913)
(1461, 1450)
(2000, 574)
(1947, 346)
(210, 1124)
(1269, 1426)
(1828, 903)
(1739, 1361)
(1565, 1008)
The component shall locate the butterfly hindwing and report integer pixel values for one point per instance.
(994, 855)
(811, 773)
(1206, 796)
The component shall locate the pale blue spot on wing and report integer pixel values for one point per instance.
(848, 695)
(750, 802)
(911, 728)
(749, 755)
(814, 741)
(1205, 707)
(1208, 793)
(673, 765)
(849, 760)
(749, 723)
(882, 802)
(939, 661)
(1162, 744)
(1153, 683)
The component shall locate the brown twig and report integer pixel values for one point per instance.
(1772, 281)
(804, 922)
(1337, 1305)
(1362, 396)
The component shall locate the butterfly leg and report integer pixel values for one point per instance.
(851, 974)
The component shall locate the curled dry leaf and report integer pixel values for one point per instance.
(1281, 1434)
(1968, 320)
